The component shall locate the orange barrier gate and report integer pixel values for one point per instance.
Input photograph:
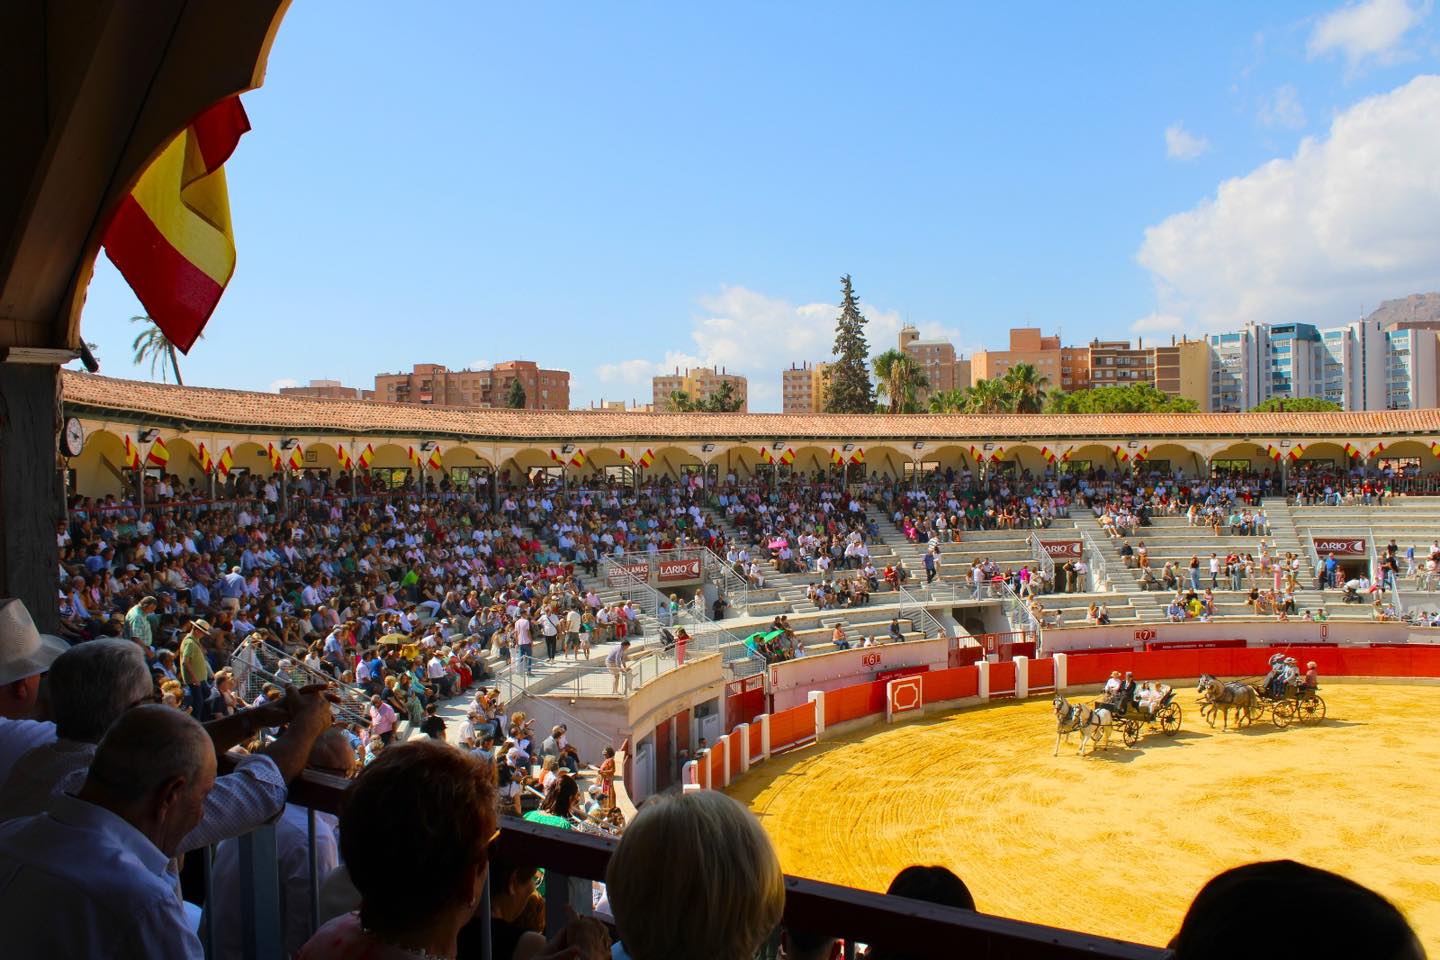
(733, 746)
(955, 684)
(1002, 679)
(717, 769)
(756, 745)
(1042, 674)
(789, 727)
(853, 702)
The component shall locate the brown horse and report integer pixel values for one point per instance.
(1240, 697)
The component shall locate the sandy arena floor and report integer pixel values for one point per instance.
(979, 792)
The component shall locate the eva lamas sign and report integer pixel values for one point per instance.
(1340, 546)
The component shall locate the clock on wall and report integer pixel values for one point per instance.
(72, 438)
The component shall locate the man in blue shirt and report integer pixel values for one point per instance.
(232, 588)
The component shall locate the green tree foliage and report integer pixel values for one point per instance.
(850, 389)
(948, 401)
(1296, 405)
(1025, 388)
(900, 377)
(515, 400)
(723, 400)
(152, 345)
(987, 396)
(1134, 398)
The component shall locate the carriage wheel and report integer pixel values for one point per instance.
(1311, 709)
(1170, 720)
(1283, 712)
(1131, 732)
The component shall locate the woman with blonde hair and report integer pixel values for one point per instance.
(688, 849)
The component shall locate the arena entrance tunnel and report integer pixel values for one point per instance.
(955, 767)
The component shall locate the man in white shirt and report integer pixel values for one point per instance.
(25, 656)
(331, 755)
(104, 853)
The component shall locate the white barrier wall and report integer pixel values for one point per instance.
(792, 681)
(1262, 633)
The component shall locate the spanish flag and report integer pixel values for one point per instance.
(1378, 449)
(413, 456)
(1121, 453)
(436, 461)
(206, 463)
(835, 457)
(367, 456)
(578, 459)
(132, 455)
(343, 454)
(557, 458)
(1048, 454)
(1273, 452)
(625, 456)
(788, 457)
(766, 456)
(1435, 448)
(858, 456)
(159, 453)
(976, 453)
(646, 458)
(1351, 450)
(1296, 451)
(274, 456)
(1065, 457)
(223, 465)
(171, 238)
(999, 452)
(297, 457)
(1142, 454)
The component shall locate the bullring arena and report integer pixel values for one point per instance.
(1119, 844)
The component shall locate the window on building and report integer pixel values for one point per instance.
(1224, 463)
(922, 469)
(390, 478)
(1401, 465)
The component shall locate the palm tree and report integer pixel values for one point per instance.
(987, 396)
(681, 402)
(900, 376)
(152, 344)
(948, 401)
(1026, 388)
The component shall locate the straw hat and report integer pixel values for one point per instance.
(24, 650)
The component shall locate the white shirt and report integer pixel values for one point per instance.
(19, 737)
(78, 881)
(292, 833)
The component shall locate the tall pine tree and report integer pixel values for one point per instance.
(850, 389)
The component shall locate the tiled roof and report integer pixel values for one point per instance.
(198, 407)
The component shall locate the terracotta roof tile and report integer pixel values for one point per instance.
(208, 406)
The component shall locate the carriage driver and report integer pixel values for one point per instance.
(1290, 674)
(1127, 692)
(1274, 682)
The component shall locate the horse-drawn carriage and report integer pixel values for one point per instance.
(1164, 715)
(1094, 721)
(1251, 702)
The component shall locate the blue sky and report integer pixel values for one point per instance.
(617, 188)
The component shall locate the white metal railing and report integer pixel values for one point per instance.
(1017, 610)
(1095, 560)
(256, 663)
(914, 611)
(1043, 558)
(1380, 571)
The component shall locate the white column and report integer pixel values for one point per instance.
(1022, 677)
(1062, 668)
(744, 731)
(983, 687)
(817, 697)
(764, 721)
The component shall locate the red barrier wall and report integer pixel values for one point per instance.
(792, 726)
(1002, 678)
(755, 744)
(744, 707)
(854, 701)
(1412, 661)
(964, 656)
(956, 684)
(1042, 674)
(717, 770)
(733, 746)
(664, 755)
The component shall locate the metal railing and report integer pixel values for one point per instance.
(1043, 558)
(1095, 560)
(1017, 611)
(914, 611)
(256, 663)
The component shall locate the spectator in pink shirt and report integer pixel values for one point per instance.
(382, 720)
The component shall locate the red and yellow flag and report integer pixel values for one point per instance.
(223, 465)
(766, 456)
(1142, 454)
(297, 457)
(1295, 451)
(578, 458)
(1435, 448)
(435, 461)
(1378, 449)
(554, 455)
(1273, 452)
(367, 456)
(646, 458)
(788, 457)
(159, 454)
(625, 456)
(835, 457)
(172, 238)
(274, 454)
(132, 455)
(976, 453)
(343, 453)
(207, 464)
(858, 456)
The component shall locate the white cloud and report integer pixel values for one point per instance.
(1158, 323)
(1181, 144)
(275, 385)
(479, 365)
(758, 335)
(1282, 109)
(1348, 220)
(1365, 30)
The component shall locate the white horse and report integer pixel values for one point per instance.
(1092, 722)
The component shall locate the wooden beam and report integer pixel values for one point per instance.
(31, 492)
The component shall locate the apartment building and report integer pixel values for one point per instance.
(943, 369)
(698, 384)
(802, 388)
(328, 390)
(1182, 369)
(433, 384)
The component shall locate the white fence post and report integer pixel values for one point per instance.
(764, 721)
(744, 730)
(1062, 669)
(1022, 677)
(817, 697)
(982, 688)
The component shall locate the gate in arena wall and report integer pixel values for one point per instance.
(664, 755)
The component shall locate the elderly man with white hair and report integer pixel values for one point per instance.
(104, 853)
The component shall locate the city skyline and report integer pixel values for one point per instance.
(671, 189)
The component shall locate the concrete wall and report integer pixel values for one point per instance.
(1257, 632)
